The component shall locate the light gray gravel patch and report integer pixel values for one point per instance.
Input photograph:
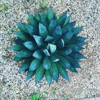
(85, 84)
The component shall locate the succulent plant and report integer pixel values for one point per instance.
(48, 45)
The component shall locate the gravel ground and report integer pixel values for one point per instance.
(85, 84)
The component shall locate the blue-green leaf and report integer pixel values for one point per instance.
(76, 30)
(42, 30)
(38, 54)
(63, 72)
(38, 40)
(37, 16)
(52, 48)
(18, 41)
(31, 45)
(67, 20)
(49, 38)
(48, 77)
(50, 14)
(46, 63)
(54, 72)
(24, 53)
(30, 74)
(68, 27)
(54, 58)
(34, 64)
(39, 73)
(67, 36)
(46, 52)
(33, 20)
(22, 27)
(17, 47)
(31, 29)
(60, 44)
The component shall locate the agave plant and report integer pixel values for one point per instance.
(48, 45)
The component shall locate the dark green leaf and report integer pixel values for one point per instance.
(44, 19)
(50, 14)
(24, 53)
(67, 20)
(33, 20)
(17, 47)
(38, 54)
(39, 40)
(39, 73)
(46, 52)
(31, 45)
(52, 48)
(54, 58)
(25, 65)
(76, 30)
(22, 27)
(22, 36)
(68, 27)
(64, 62)
(77, 55)
(60, 44)
(30, 74)
(18, 41)
(73, 62)
(31, 29)
(48, 76)
(74, 47)
(52, 26)
(67, 36)
(63, 72)
(49, 38)
(42, 30)
(62, 19)
(34, 64)
(37, 16)
(54, 72)
(17, 58)
(46, 63)
(57, 33)
(65, 52)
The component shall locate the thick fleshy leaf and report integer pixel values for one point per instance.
(18, 58)
(48, 76)
(54, 58)
(77, 55)
(52, 48)
(30, 74)
(18, 41)
(76, 30)
(22, 27)
(46, 63)
(74, 47)
(49, 38)
(38, 54)
(72, 69)
(37, 16)
(81, 43)
(60, 44)
(46, 52)
(25, 65)
(42, 30)
(50, 14)
(17, 47)
(44, 19)
(73, 62)
(78, 38)
(38, 40)
(54, 72)
(67, 20)
(64, 62)
(39, 73)
(24, 53)
(68, 27)
(63, 72)
(33, 20)
(31, 29)
(22, 36)
(62, 19)
(31, 45)
(65, 52)
(34, 64)
(57, 33)
(67, 36)
(52, 26)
